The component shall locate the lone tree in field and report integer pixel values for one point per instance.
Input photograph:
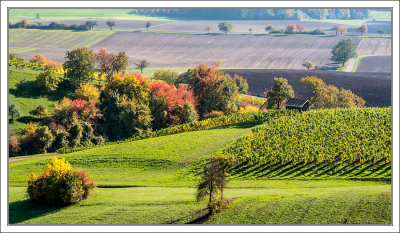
(362, 29)
(23, 23)
(208, 29)
(143, 63)
(110, 24)
(90, 24)
(291, 28)
(37, 16)
(80, 65)
(308, 65)
(13, 112)
(39, 111)
(339, 29)
(380, 31)
(279, 92)
(225, 27)
(250, 30)
(343, 51)
(269, 28)
(148, 25)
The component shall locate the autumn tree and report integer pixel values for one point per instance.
(300, 27)
(23, 23)
(38, 59)
(362, 29)
(167, 104)
(80, 65)
(124, 105)
(250, 30)
(278, 93)
(291, 28)
(120, 62)
(110, 24)
(212, 89)
(14, 144)
(87, 91)
(208, 29)
(328, 96)
(225, 27)
(48, 80)
(343, 51)
(380, 31)
(339, 29)
(14, 112)
(217, 63)
(39, 111)
(141, 64)
(308, 65)
(104, 62)
(148, 25)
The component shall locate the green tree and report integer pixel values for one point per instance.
(280, 91)
(13, 112)
(37, 16)
(269, 28)
(343, 51)
(308, 65)
(119, 62)
(39, 111)
(44, 139)
(75, 134)
(241, 83)
(141, 64)
(225, 27)
(13, 57)
(148, 25)
(188, 113)
(213, 180)
(61, 139)
(90, 24)
(48, 80)
(169, 76)
(80, 65)
(110, 24)
(380, 31)
(124, 104)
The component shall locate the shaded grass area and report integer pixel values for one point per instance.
(24, 93)
(173, 160)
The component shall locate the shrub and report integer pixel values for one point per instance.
(39, 111)
(318, 31)
(60, 184)
(14, 112)
(214, 114)
(249, 108)
(87, 91)
(217, 205)
(14, 145)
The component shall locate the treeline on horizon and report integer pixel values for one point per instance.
(258, 14)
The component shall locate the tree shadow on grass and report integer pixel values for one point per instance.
(29, 89)
(20, 211)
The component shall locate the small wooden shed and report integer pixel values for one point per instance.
(299, 104)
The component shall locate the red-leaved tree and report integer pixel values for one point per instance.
(300, 27)
(170, 105)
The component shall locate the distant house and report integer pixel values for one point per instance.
(299, 104)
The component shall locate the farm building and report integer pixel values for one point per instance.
(299, 104)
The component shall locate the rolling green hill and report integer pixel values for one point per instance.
(152, 181)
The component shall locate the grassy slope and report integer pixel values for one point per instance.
(148, 72)
(76, 14)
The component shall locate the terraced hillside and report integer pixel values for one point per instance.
(152, 181)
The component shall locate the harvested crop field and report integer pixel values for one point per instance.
(376, 64)
(235, 51)
(374, 88)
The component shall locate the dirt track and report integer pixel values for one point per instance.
(374, 88)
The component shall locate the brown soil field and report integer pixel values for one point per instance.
(376, 64)
(374, 88)
(235, 51)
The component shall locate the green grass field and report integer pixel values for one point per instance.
(148, 72)
(76, 14)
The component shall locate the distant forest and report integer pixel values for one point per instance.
(257, 14)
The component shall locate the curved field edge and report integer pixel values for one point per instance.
(318, 144)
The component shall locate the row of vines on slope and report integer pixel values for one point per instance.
(353, 135)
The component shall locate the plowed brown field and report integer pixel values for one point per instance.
(235, 51)
(376, 64)
(374, 88)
